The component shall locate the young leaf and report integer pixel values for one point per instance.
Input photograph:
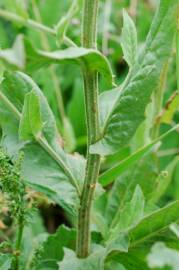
(154, 223)
(129, 40)
(31, 122)
(161, 256)
(129, 103)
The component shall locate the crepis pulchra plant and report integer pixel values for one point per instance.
(109, 226)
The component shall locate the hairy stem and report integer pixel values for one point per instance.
(89, 34)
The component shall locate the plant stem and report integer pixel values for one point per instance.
(33, 25)
(18, 243)
(10, 105)
(89, 34)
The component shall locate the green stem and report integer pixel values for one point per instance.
(33, 25)
(6, 101)
(89, 34)
(18, 243)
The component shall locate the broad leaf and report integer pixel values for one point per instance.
(161, 256)
(5, 262)
(130, 214)
(123, 188)
(51, 250)
(128, 102)
(96, 260)
(154, 223)
(129, 40)
(47, 176)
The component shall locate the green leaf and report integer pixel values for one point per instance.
(51, 250)
(161, 256)
(128, 103)
(129, 40)
(68, 135)
(110, 175)
(175, 229)
(77, 55)
(47, 176)
(130, 214)
(154, 223)
(96, 260)
(62, 25)
(114, 265)
(5, 261)
(170, 109)
(34, 230)
(133, 260)
(14, 57)
(163, 181)
(124, 187)
(31, 122)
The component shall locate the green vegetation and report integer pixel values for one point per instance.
(89, 144)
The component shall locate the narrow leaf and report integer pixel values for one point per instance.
(110, 175)
(154, 223)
